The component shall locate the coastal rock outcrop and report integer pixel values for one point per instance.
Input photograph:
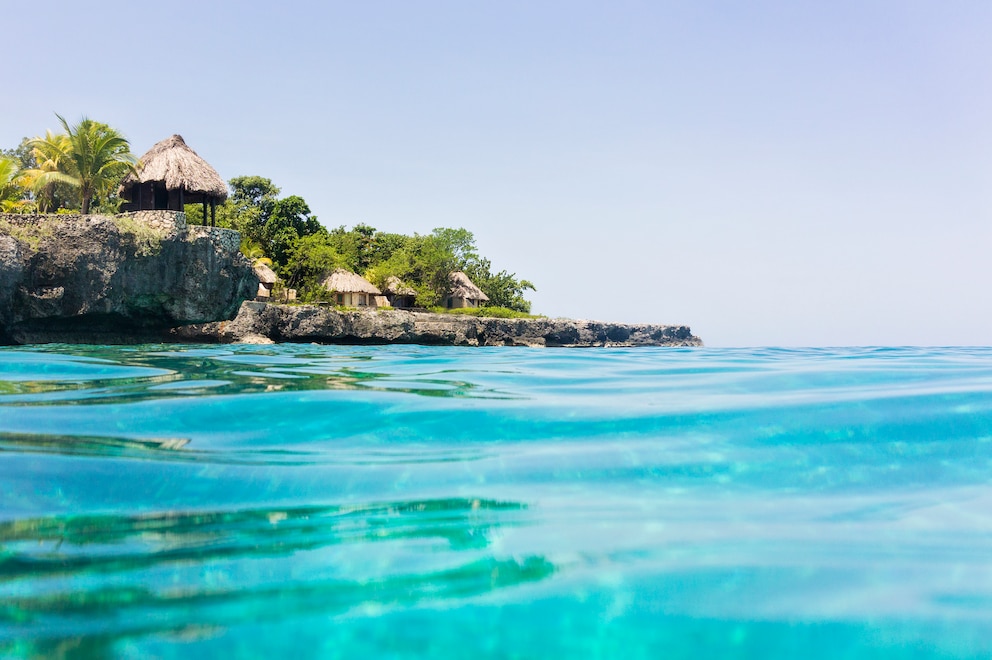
(261, 322)
(115, 278)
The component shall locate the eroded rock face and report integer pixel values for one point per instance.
(122, 278)
(260, 322)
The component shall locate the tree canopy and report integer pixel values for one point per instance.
(11, 194)
(90, 157)
(303, 251)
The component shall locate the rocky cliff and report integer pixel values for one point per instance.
(112, 279)
(263, 322)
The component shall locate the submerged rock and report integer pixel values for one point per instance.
(309, 323)
(115, 279)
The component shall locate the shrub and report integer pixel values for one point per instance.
(487, 312)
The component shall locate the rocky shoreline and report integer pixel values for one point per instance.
(150, 277)
(267, 323)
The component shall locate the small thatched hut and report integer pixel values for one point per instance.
(351, 290)
(170, 176)
(397, 293)
(266, 280)
(463, 292)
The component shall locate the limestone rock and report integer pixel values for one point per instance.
(309, 323)
(121, 278)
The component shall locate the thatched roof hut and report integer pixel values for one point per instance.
(350, 289)
(265, 274)
(266, 280)
(345, 281)
(463, 287)
(464, 293)
(394, 287)
(171, 175)
(399, 294)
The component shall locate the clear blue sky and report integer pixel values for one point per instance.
(770, 173)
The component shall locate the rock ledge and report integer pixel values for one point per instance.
(264, 322)
(118, 279)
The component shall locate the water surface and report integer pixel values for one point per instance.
(184, 501)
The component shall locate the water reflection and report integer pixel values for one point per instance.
(151, 374)
(83, 445)
(177, 449)
(160, 571)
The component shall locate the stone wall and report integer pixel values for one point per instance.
(154, 219)
(158, 219)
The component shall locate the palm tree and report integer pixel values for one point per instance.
(90, 157)
(48, 152)
(11, 192)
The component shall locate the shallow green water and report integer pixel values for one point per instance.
(184, 501)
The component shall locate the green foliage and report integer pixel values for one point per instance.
(424, 262)
(354, 246)
(313, 294)
(503, 288)
(249, 207)
(310, 258)
(459, 243)
(194, 214)
(45, 156)
(488, 312)
(15, 194)
(22, 154)
(107, 205)
(289, 221)
(254, 191)
(91, 158)
(303, 252)
(12, 193)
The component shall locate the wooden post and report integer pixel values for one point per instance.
(213, 212)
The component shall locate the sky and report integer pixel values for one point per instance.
(784, 173)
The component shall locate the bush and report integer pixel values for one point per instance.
(487, 312)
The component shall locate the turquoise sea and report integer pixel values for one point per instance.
(327, 501)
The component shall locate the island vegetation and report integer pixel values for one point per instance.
(79, 170)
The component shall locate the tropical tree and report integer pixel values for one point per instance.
(309, 259)
(91, 157)
(22, 154)
(250, 205)
(46, 154)
(290, 219)
(503, 288)
(11, 192)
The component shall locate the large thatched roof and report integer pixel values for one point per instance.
(265, 274)
(462, 287)
(394, 286)
(345, 281)
(181, 168)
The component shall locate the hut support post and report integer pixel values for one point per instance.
(213, 212)
(205, 221)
